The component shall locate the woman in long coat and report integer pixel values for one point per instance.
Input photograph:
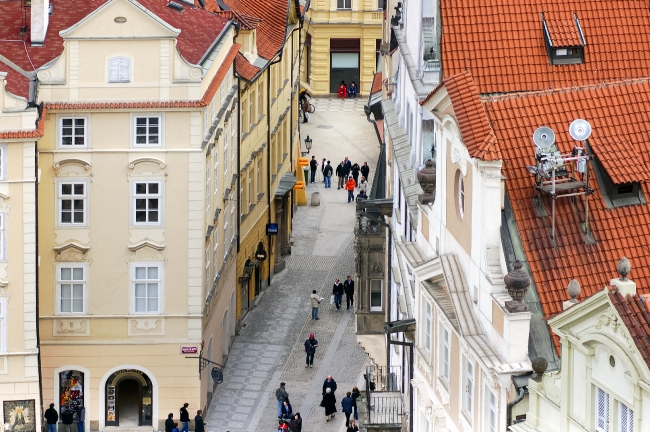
(329, 402)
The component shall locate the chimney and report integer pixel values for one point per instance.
(40, 17)
(624, 285)
(574, 291)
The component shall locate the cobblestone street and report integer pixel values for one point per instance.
(269, 348)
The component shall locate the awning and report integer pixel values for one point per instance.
(287, 182)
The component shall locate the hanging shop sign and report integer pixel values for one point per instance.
(272, 229)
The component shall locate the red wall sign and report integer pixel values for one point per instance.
(189, 350)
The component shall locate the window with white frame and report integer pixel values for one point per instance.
(225, 152)
(72, 203)
(602, 410)
(206, 122)
(468, 388)
(260, 100)
(208, 188)
(232, 222)
(147, 281)
(252, 119)
(214, 106)
(376, 295)
(3, 237)
(215, 252)
(147, 200)
(251, 199)
(71, 282)
(223, 93)
(73, 132)
(3, 162)
(625, 418)
(428, 324)
(3, 324)
(216, 174)
(490, 411)
(425, 426)
(147, 131)
(233, 130)
(225, 233)
(259, 176)
(208, 281)
(119, 70)
(445, 352)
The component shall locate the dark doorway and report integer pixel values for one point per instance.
(344, 62)
(258, 278)
(245, 291)
(128, 402)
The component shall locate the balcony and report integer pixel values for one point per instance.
(384, 398)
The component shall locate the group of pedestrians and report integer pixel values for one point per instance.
(347, 91)
(346, 287)
(172, 426)
(288, 420)
(348, 174)
(67, 418)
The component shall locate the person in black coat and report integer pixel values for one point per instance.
(52, 417)
(348, 167)
(310, 349)
(169, 423)
(340, 173)
(287, 411)
(337, 290)
(329, 384)
(348, 287)
(327, 174)
(346, 405)
(365, 170)
(313, 165)
(329, 403)
(199, 424)
(296, 423)
(355, 173)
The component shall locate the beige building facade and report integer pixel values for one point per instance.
(19, 130)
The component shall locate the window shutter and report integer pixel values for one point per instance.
(626, 418)
(113, 70)
(602, 410)
(125, 69)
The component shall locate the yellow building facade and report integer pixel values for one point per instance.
(268, 78)
(137, 211)
(341, 39)
(19, 378)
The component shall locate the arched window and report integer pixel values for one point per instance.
(119, 69)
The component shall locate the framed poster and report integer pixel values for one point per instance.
(20, 415)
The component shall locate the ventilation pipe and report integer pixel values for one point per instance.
(40, 18)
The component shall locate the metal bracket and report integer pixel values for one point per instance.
(204, 362)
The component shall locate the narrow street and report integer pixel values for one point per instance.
(269, 348)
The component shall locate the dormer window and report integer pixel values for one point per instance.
(119, 70)
(564, 40)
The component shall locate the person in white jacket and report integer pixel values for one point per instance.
(363, 186)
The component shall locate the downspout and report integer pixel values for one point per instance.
(36, 283)
(268, 153)
(518, 399)
(238, 164)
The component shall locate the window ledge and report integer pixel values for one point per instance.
(260, 118)
(244, 135)
(253, 126)
(442, 389)
(260, 196)
(273, 178)
(273, 101)
(243, 217)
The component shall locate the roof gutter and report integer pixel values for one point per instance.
(518, 399)
(420, 88)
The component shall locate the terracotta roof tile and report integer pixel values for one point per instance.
(376, 83)
(501, 42)
(472, 121)
(16, 83)
(244, 69)
(620, 231)
(34, 133)
(620, 159)
(563, 32)
(246, 22)
(634, 314)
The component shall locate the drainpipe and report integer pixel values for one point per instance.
(268, 154)
(36, 287)
(518, 399)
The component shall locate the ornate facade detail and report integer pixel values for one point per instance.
(377, 267)
(146, 326)
(427, 180)
(459, 153)
(74, 161)
(610, 321)
(71, 251)
(443, 392)
(71, 327)
(147, 160)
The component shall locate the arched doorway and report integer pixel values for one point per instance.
(129, 395)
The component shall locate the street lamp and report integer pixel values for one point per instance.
(308, 143)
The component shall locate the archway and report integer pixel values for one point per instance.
(129, 396)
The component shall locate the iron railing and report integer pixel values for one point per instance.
(385, 408)
(383, 378)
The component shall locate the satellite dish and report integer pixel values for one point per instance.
(544, 137)
(580, 129)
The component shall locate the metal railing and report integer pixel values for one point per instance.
(383, 379)
(385, 408)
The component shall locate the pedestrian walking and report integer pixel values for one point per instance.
(365, 170)
(356, 394)
(343, 90)
(349, 186)
(199, 424)
(355, 173)
(329, 384)
(352, 427)
(296, 423)
(337, 290)
(327, 175)
(287, 410)
(81, 417)
(281, 395)
(315, 302)
(313, 165)
(322, 169)
(67, 418)
(185, 418)
(169, 423)
(346, 406)
(352, 91)
(310, 349)
(348, 167)
(329, 403)
(305, 105)
(363, 186)
(52, 418)
(348, 287)
(340, 173)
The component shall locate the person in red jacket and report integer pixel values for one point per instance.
(343, 90)
(349, 186)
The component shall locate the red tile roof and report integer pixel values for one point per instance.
(563, 31)
(376, 83)
(634, 314)
(621, 159)
(246, 22)
(501, 42)
(244, 69)
(16, 83)
(617, 113)
(199, 29)
(472, 121)
(34, 133)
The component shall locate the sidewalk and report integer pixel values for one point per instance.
(269, 348)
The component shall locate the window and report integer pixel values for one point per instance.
(602, 410)
(208, 281)
(223, 93)
(146, 288)
(214, 106)
(3, 324)
(73, 132)
(490, 411)
(119, 70)
(206, 123)
(460, 195)
(259, 176)
(625, 418)
(426, 330)
(232, 222)
(225, 233)
(146, 203)
(233, 130)
(71, 281)
(3, 162)
(215, 251)
(251, 118)
(225, 153)
(216, 173)
(207, 188)
(468, 395)
(445, 352)
(244, 199)
(260, 100)
(147, 131)
(375, 295)
(3, 237)
(243, 118)
(72, 203)
(251, 197)
(343, 4)
(424, 423)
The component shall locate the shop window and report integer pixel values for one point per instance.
(375, 295)
(71, 390)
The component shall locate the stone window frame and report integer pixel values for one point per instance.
(86, 200)
(161, 202)
(160, 281)
(59, 282)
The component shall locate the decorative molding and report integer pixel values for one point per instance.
(4, 196)
(466, 427)
(71, 251)
(376, 267)
(146, 326)
(135, 162)
(146, 243)
(610, 321)
(72, 161)
(71, 327)
(443, 392)
(3, 283)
